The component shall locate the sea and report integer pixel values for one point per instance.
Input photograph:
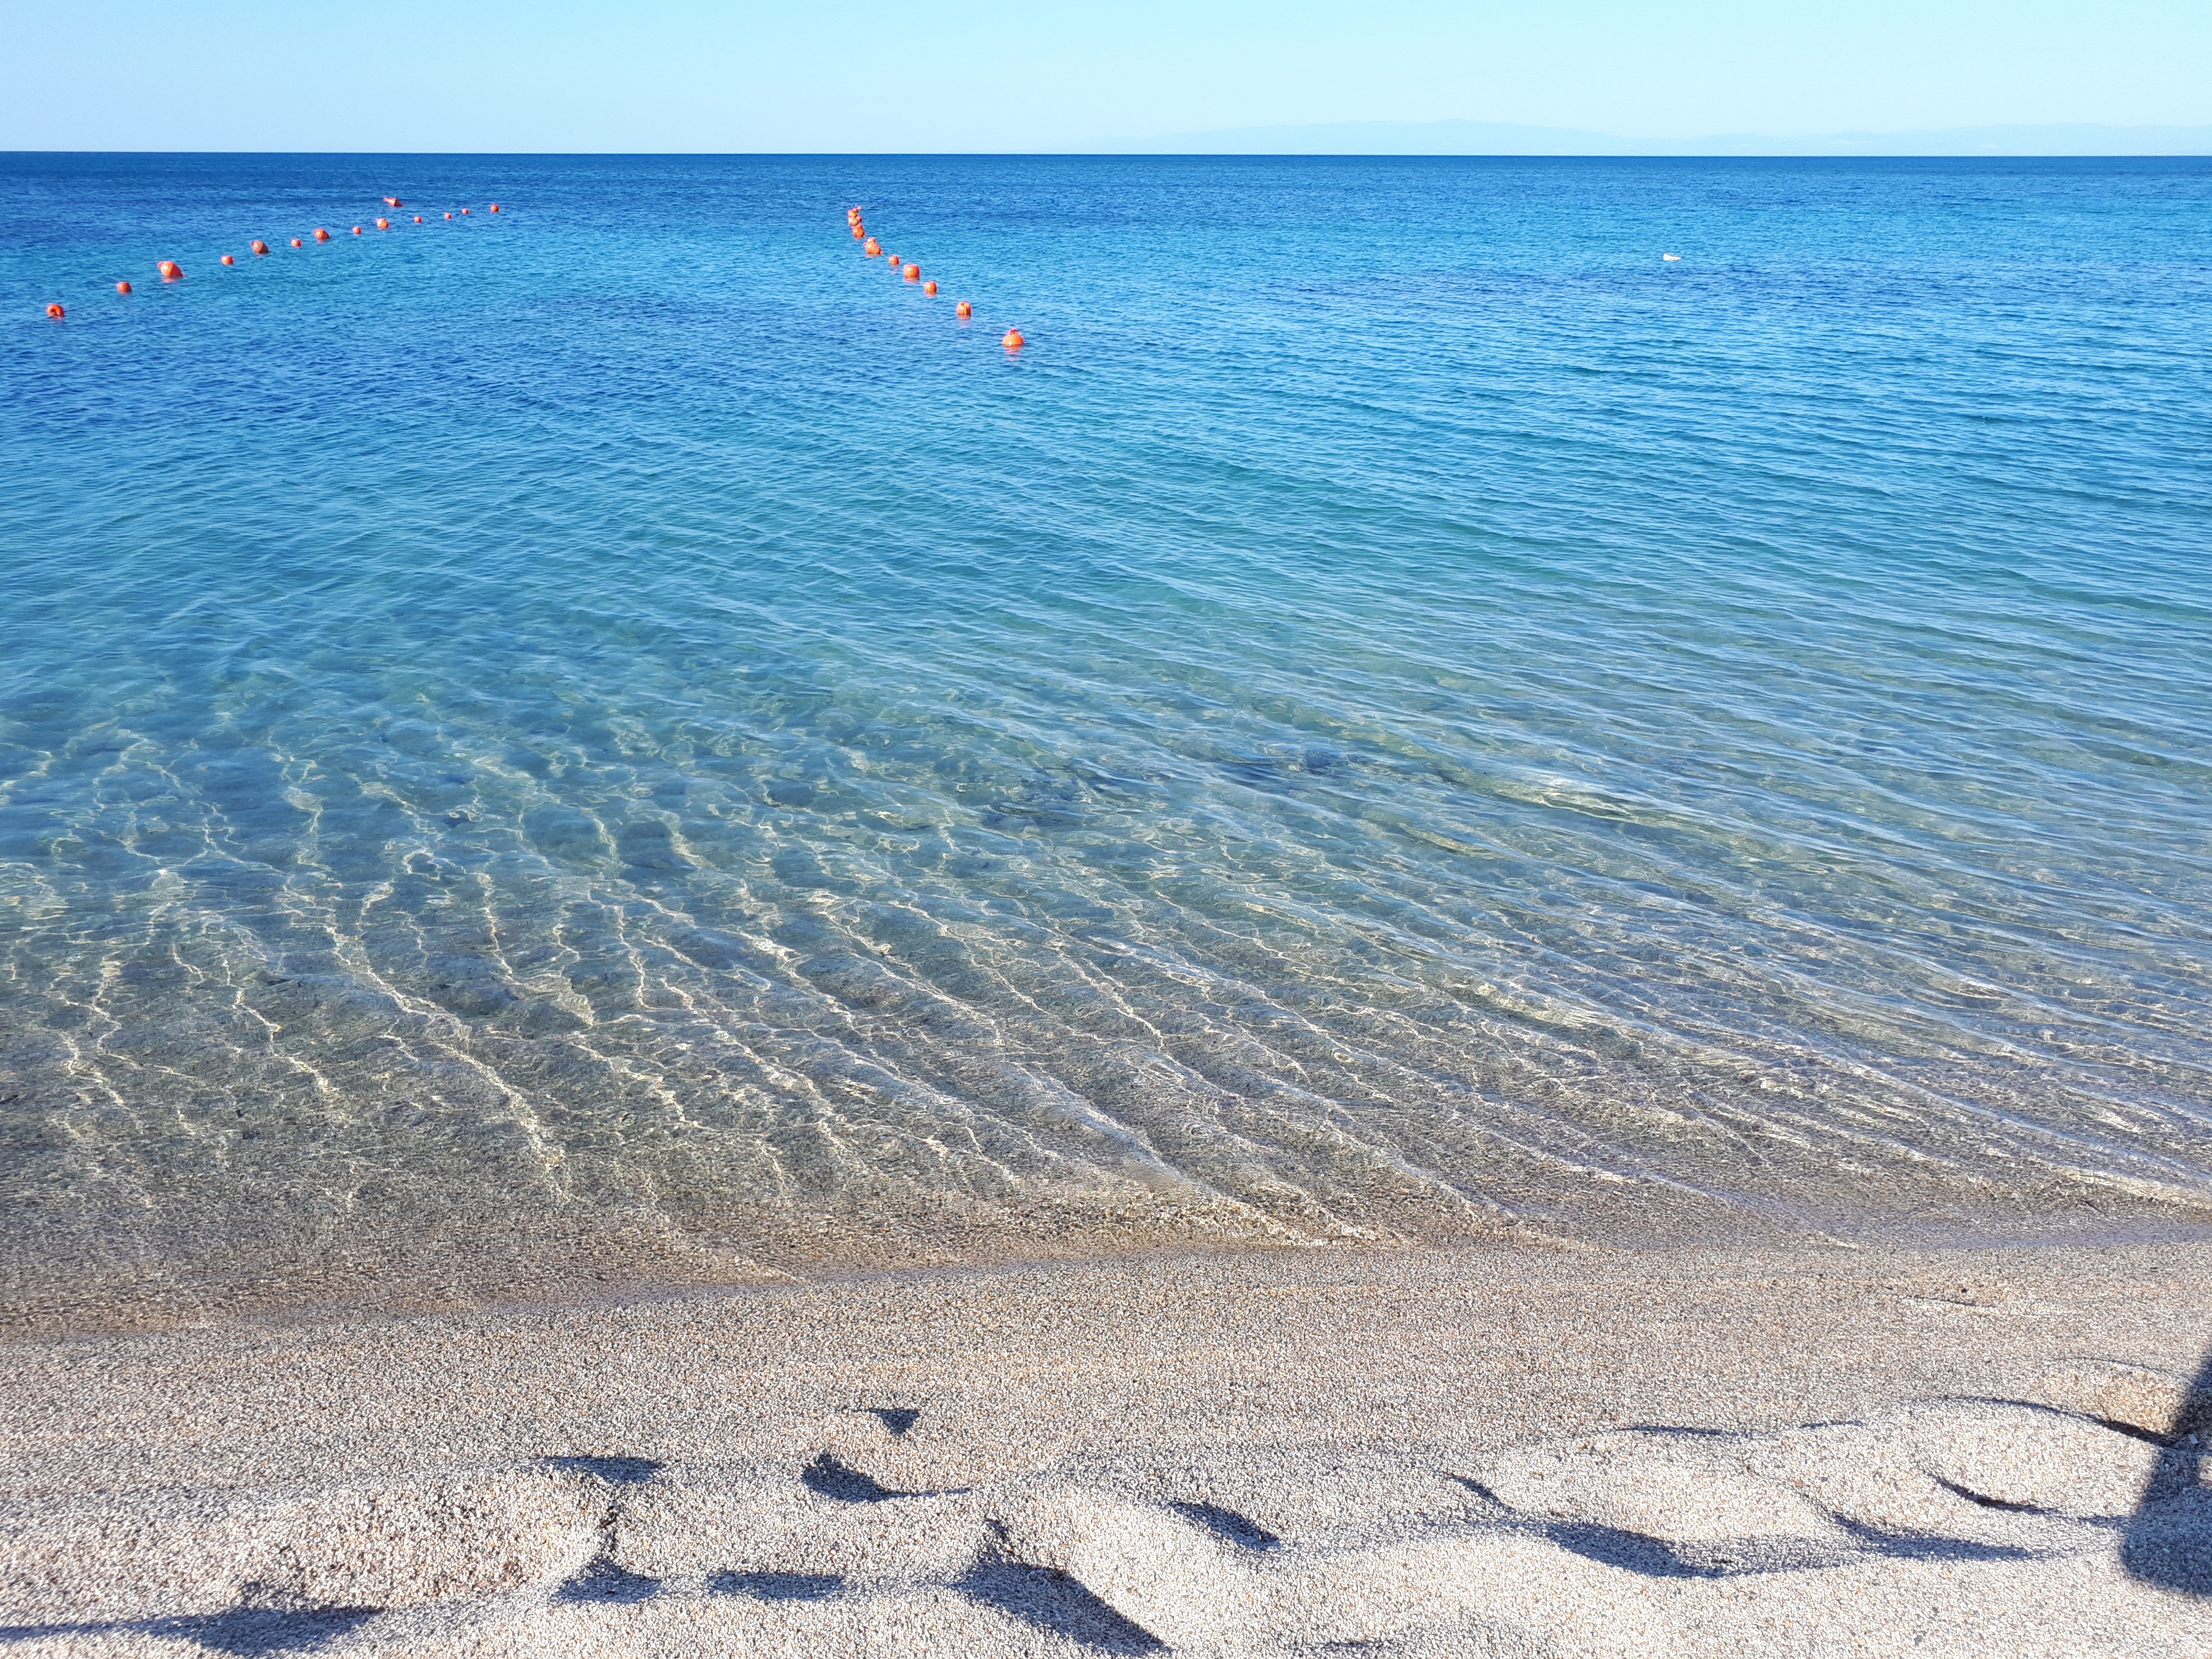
(618, 742)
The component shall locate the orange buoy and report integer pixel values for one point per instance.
(55, 312)
(465, 213)
(356, 230)
(871, 247)
(322, 235)
(123, 287)
(391, 201)
(295, 241)
(858, 236)
(227, 260)
(418, 218)
(1011, 339)
(258, 247)
(384, 224)
(449, 215)
(170, 271)
(963, 309)
(494, 207)
(929, 287)
(912, 273)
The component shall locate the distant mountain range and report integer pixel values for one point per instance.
(1499, 138)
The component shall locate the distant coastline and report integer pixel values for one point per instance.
(1504, 138)
(2077, 141)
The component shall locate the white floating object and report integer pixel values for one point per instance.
(1670, 256)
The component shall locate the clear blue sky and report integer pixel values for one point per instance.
(864, 75)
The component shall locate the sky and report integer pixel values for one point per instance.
(671, 76)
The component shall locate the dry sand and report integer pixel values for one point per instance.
(1489, 1451)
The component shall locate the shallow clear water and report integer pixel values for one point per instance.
(1399, 711)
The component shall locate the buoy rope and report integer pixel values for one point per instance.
(909, 271)
(169, 271)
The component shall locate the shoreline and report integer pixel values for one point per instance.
(595, 1256)
(1449, 1451)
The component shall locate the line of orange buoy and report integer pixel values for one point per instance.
(171, 272)
(871, 248)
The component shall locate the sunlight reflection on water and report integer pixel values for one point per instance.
(1396, 716)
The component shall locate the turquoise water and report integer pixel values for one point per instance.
(1400, 713)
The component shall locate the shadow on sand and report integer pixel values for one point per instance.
(2169, 1537)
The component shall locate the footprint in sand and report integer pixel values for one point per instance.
(2033, 1528)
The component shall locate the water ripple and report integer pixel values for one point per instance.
(612, 739)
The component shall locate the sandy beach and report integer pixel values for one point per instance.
(1506, 1450)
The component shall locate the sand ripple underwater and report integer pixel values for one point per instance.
(1399, 711)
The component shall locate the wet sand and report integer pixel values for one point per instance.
(1494, 1450)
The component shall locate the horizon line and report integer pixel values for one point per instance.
(1435, 139)
(1103, 154)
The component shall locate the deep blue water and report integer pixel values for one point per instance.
(1399, 710)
